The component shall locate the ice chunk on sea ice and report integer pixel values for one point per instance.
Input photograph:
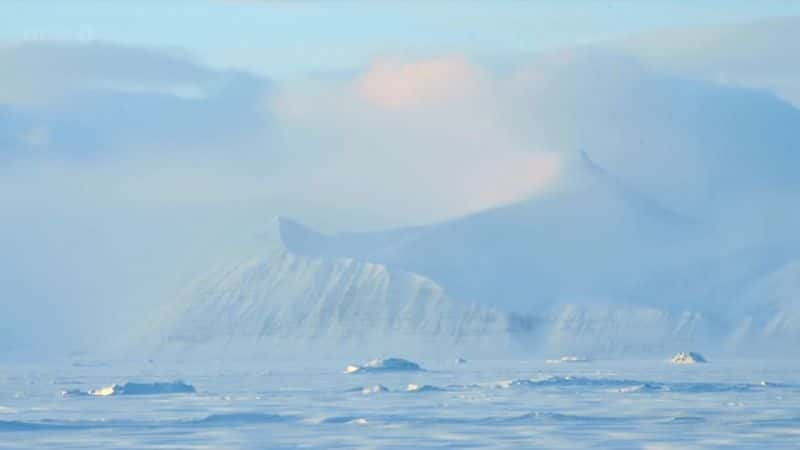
(384, 365)
(173, 387)
(688, 358)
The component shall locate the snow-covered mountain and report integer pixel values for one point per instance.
(593, 267)
(282, 301)
(593, 237)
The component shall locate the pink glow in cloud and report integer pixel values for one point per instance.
(396, 85)
(442, 122)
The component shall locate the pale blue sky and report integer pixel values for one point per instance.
(281, 39)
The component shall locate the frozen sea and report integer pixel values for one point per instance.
(480, 404)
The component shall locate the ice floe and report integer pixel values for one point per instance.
(644, 387)
(422, 388)
(172, 387)
(384, 365)
(377, 389)
(688, 358)
(74, 393)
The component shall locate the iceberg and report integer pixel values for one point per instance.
(384, 365)
(688, 358)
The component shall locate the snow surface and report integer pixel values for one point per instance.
(625, 404)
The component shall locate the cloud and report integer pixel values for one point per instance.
(695, 145)
(407, 140)
(692, 144)
(412, 85)
(98, 100)
(470, 137)
(757, 55)
(437, 122)
(41, 73)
